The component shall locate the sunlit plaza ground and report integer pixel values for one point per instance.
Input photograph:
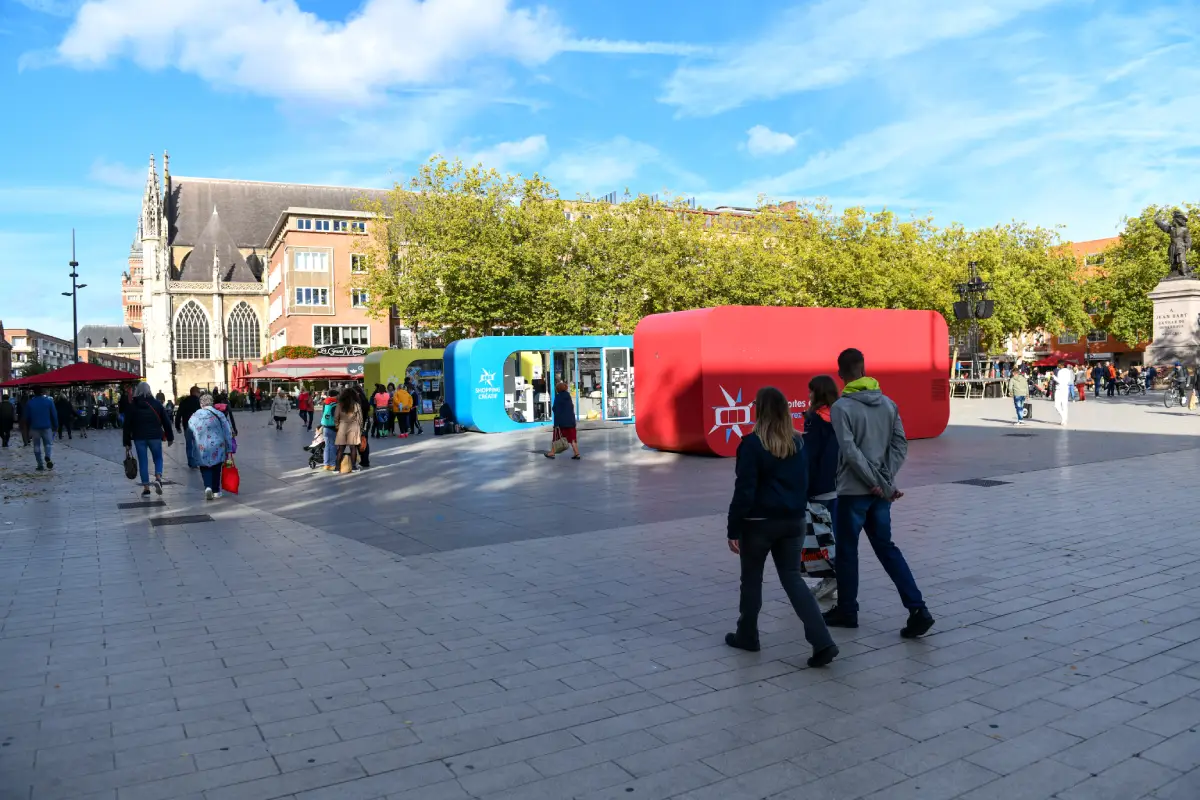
(469, 620)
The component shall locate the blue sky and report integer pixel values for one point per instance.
(1057, 112)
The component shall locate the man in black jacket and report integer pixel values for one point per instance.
(8, 416)
(66, 415)
(188, 406)
(145, 427)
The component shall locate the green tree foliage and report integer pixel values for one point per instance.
(34, 366)
(1133, 266)
(469, 250)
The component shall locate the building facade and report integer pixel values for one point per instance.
(316, 281)
(1096, 344)
(205, 247)
(120, 341)
(5, 356)
(50, 350)
(110, 360)
(131, 285)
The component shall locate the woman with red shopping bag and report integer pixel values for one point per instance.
(214, 443)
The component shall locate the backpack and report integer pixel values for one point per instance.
(327, 418)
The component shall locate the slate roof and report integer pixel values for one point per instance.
(98, 333)
(215, 240)
(249, 209)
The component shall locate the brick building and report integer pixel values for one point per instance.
(1096, 344)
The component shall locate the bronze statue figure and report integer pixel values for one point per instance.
(1181, 243)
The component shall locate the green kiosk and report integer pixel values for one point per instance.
(393, 366)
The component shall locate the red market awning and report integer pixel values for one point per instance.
(80, 374)
(329, 375)
(268, 375)
(1053, 359)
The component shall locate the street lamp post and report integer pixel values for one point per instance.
(75, 287)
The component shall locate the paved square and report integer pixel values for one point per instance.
(469, 620)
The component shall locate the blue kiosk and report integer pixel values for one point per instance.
(505, 383)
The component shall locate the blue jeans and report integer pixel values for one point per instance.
(193, 454)
(1019, 402)
(330, 447)
(42, 437)
(154, 446)
(874, 515)
(211, 476)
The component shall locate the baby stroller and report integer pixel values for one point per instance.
(316, 449)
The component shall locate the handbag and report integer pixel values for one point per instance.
(345, 468)
(131, 467)
(362, 443)
(818, 552)
(233, 444)
(231, 480)
(560, 443)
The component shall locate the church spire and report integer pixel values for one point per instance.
(151, 204)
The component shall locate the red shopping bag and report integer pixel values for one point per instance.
(230, 479)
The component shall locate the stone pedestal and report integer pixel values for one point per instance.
(1176, 322)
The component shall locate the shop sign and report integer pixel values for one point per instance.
(486, 388)
(1099, 356)
(342, 351)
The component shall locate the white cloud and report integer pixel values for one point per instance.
(601, 168)
(829, 43)
(621, 47)
(762, 141)
(274, 48)
(117, 175)
(505, 153)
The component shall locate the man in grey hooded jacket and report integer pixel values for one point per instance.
(872, 448)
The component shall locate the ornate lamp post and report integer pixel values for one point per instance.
(73, 294)
(974, 305)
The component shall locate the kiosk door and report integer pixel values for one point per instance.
(618, 383)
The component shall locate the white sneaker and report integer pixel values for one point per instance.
(208, 494)
(217, 495)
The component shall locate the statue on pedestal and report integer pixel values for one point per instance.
(1181, 243)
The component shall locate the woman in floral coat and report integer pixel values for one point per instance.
(214, 441)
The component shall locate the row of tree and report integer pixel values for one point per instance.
(469, 251)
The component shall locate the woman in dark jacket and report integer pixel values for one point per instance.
(146, 426)
(766, 517)
(564, 420)
(820, 443)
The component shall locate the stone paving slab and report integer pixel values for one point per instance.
(256, 656)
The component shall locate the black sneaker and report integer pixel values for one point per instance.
(40, 468)
(732, 640)
(145, 491)
(49, 464)
(919, 623)
(822, 657)
(836, 618)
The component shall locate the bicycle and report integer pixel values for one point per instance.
(1131, 386)
(1175, 395)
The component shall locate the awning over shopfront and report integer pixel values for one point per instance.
(80, 374)
(297, 367)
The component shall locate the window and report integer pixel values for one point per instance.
(1068, 338)
(359, 298)
(341, 334)
(242, 333)
(304, 224)
(1094, 259)
(191, 332)
(358, 262)
(322, 225)
(1097, 337)
(310, 261)
(358, 227)
(311, 296)
(340, 225)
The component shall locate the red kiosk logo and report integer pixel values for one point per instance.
(732, 416)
